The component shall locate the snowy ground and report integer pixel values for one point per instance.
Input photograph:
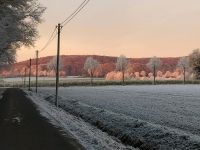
(89, 136)
(160, 117)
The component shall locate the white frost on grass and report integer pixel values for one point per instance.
(148, 117)
(88, 136)
(175, 106)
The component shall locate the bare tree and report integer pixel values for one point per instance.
(121, 65)
(91, 66)
(53, 64)
(153, 65)
(183, 63)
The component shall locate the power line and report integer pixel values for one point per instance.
(59, 27)
(73, 15)
(52, 37)
(65, 22)
(74, 12)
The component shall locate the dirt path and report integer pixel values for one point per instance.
(22, 127)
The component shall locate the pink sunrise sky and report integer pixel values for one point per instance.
(135, 28)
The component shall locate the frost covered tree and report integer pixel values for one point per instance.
(121, 65)
(153, 65)
(183, 64)
(194, 61)
(52, 65)
(18, 26)
(91, 66)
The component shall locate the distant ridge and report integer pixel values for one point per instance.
(73, 65)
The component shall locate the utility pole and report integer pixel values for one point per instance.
(59, 27)
(25, 78)
(154, 74)
(184, 75)
(29, 76)
(36, 84)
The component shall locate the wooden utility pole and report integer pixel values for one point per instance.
(36, 84)
(154, 74)
(25, 78)
(184, 75)
(29, 83)
(59, 27)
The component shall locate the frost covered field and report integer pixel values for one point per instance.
(87, 135)
(147, 117)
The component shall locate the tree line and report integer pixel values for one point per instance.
(18, 27)
(190, 63)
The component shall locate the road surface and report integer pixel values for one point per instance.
(22, 127)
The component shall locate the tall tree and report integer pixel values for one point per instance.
(91, 66)
(153, 65)
(194, 61)
(121, 65)
(18, 26)
(183, 63)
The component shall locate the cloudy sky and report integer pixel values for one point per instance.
(135, 28)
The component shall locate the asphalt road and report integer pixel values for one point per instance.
(22, 127)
